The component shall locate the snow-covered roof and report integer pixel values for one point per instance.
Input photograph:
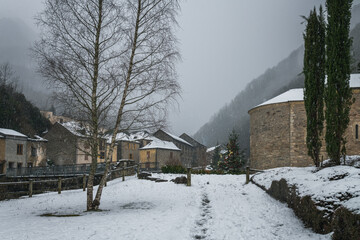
(292, 95)
(75, 128)
(212, 148)
(297, 94)
(161, 144)
(10, 132)
(177, 138)
(37, 139)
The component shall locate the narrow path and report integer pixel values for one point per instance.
(201, 227)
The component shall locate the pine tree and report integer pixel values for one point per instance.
(235, 158)
(337, 92)
(314, 71)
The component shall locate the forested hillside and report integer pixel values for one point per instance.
(286, 75)
(19, 114)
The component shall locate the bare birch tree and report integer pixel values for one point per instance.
(108, 57)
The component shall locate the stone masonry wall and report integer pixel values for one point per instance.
(269, 136)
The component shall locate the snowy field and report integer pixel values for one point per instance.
(215, 207)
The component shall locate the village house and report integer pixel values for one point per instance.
(54, 119)
(157, 154)
(68, 144)
(13, 147)
(187, 149)
(36, 152)
(127, 148)
(278, 130)
(198, 151)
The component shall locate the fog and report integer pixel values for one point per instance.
(224, 45)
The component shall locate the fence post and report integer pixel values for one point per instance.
(188, 177)
(84, 182)
(247, 174)
(105, 182)
(31, 188)
(123, 174)
(138, 170)
(59, 185)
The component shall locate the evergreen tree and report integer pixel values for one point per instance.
(235, 158)
(314, 71)
(337, 92)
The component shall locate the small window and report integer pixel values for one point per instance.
(61, 120)
(102, 155)
(148, 155)
(33, 152)
(86, 157)
(357, 131)
(171, 155)
(19, 165)
(130, 156)
(19, 150)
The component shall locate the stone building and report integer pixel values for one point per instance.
(198, 151)
(157, 154)
(68, 144)
(54, 118)
(127, 148)
(187, 149)
(12, 149)
(278, 130)
(36, 152)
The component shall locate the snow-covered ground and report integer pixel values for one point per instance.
(214, 207)
(330, 187)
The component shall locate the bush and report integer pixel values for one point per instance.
(173, 169)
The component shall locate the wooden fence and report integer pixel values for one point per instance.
(251, 170)
(9, 190)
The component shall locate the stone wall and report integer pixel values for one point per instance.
(269, 136)
(164, 156)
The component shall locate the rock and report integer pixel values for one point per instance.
(144, 175)
(180, 180)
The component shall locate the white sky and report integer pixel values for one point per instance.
(224, 45)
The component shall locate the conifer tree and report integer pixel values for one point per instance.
(235, 158)
(337, 92)
(314, 71)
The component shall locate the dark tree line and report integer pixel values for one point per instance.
(16, 112)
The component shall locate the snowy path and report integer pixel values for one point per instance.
(215, 207)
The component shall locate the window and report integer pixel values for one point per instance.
(86, 157)
(19, 165)
(33, 152)
(130, 156)
(61, 120)
(171, 155)
(30, 165)
(102, 155)
(357, 131)
(148, 155)
(19, 150)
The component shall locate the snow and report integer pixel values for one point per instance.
(212, 148)
(292, 95)
(10, 132)
(178, 138)
(338, 186)
(75, 128)
(38, 139)
(162, 145)
(297, 94)
(214, 207)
